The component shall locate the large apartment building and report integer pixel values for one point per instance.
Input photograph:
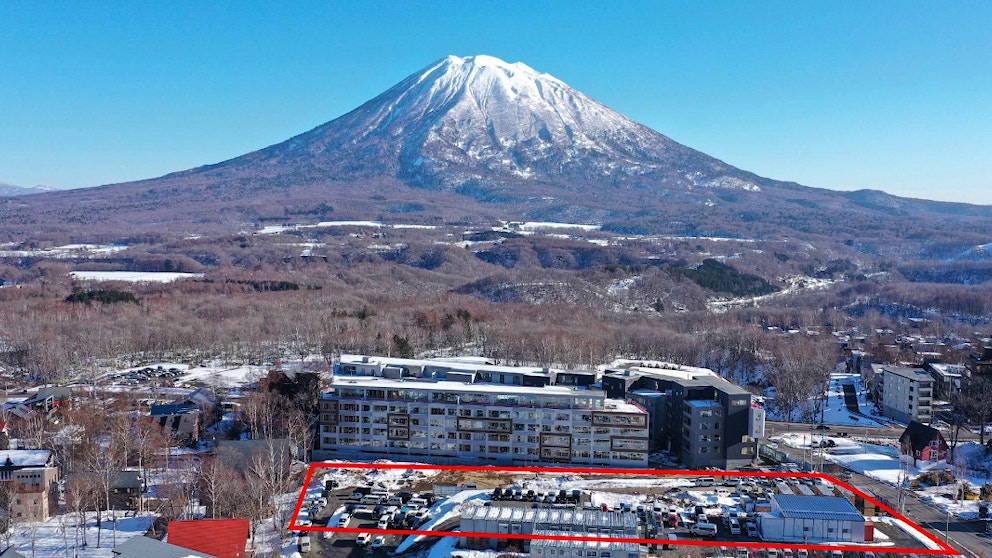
(696, 415)
(906, 393)
(467, 410)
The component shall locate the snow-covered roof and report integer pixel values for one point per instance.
(948, 370)
(660, 367)
(462, 387)
(559, 517)
(466, 364)
(605, 544)
(916, 374)
(147, 547)
(25, 458)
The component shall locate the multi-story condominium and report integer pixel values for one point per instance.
(696, 415)
(428, 415)
(907, 394)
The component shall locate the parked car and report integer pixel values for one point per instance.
(363, 539)
(735, 526)
(344, 519)
(305, 543)
(752, 529)
(703, 529)
(379, 542)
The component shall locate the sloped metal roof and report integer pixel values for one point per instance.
(816, 507)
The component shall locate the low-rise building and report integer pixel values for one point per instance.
(181, 420)
(813, 519)
(923, 443)
(980, 364)
(947, 379)
(32, 475)
(223, 538)
(569, 548)
(501, 520)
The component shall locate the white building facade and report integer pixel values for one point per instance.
(907, 394)
(438, 420)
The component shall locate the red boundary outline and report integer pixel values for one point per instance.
(944, 550)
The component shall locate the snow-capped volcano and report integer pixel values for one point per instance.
(477, 139)
(479, 125)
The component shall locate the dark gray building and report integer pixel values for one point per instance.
(695, 415)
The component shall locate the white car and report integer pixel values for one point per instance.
(363, 539)
(379, 542)
(703, 529)
(344, 519)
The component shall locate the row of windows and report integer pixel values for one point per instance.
(329, 441)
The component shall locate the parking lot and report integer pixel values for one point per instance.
(723, 512)
(356, 516)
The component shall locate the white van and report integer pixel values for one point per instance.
(704, 481)
(371, 499)
(416, 503)
(703, 529)
(305, 543)
(735, 526)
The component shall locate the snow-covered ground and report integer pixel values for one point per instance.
(133, 276)
(66, 251)
(442, 511)
(834, 410)
(58, 536)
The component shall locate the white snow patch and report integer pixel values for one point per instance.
(133, 276)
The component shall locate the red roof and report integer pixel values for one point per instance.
(223, 538)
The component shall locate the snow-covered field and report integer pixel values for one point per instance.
(66, 251)
(59, 537)
(133, 276)
(834, 411)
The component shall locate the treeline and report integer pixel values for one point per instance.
(722, 278)
(106, 296)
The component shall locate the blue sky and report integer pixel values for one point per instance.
(891, 95)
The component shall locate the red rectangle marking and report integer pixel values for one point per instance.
(944, 549)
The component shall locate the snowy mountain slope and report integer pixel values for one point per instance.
(475, 140)
(464, 122)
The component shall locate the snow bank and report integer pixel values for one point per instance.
(441, 512)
